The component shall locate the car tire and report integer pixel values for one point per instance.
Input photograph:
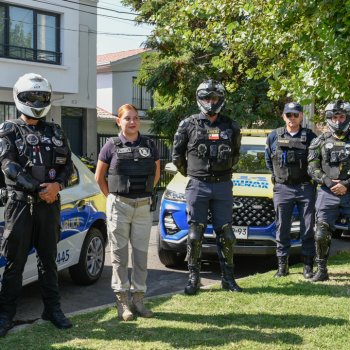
(169, 258)
(92, 258)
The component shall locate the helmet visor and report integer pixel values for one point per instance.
(209, 95)
(36, 99)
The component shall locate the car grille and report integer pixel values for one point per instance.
(251, 211)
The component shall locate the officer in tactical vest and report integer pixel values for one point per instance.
(206, 146)
(286, 157)
(36, 162)
(133, 166)
(329, 166)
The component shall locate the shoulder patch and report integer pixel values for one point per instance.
(6, 128)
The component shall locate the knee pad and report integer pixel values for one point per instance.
(226, 234)
(323, 237)
(323, 233)
(195, 233)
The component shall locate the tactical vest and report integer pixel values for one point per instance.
(336, 157)
(209, 150)
(135, 168)
(42, 150)
(290, 157)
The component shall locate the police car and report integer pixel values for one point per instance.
(83, 230)
(252, 213)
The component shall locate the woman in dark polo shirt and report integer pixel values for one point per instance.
(133, 166)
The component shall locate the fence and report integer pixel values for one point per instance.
(164, 155)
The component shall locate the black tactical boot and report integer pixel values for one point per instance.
(57, 318)
(322, 272)
(193, 280)
(308, 267)
(228, 281)
(5, 325)
(283, 268)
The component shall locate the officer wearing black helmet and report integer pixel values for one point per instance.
(329, 166)
(36, 162)
(206, 146)
(286, 156)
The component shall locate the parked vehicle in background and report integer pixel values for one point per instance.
(83, 230)
(253, 212)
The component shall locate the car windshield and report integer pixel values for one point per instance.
(251, 160)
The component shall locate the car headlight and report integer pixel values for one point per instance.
(174, 196)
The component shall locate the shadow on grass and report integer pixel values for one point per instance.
(187, 330)
(304, 288)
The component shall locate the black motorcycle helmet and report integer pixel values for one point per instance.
(206, 90)
(338, 107)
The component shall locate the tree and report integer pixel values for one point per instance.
(286, 49)
(184, 54)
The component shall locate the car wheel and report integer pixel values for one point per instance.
(169, 257)
(92, 259)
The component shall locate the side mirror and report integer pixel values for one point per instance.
(170, 168)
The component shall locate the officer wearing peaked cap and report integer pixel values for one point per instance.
(286, 157)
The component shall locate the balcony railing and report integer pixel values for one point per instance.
(29, 54)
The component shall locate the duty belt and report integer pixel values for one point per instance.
(213, 179)
(24, 197)
(133, 202)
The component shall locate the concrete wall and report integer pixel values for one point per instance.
(105, 92)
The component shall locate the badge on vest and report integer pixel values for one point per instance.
(144, 152)
(52, 174)
(224, 135)
(329, 145)
(57, 142)
(124, 150)
(32, 139)
(213, 134)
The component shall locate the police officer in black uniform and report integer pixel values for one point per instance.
(206, 146)
(329, 166)
(286, 156)
(36, 162)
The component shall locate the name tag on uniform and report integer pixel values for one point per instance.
(124, 150)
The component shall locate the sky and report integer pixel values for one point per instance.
(108, 43)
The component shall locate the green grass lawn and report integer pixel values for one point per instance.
(286, 313)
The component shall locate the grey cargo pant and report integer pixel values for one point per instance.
(128, 223)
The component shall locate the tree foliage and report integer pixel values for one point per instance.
(264, 51)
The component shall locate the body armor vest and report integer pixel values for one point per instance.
(42, 150)
(290, 157)
(135, 168)
(336, 158)
(209, 150)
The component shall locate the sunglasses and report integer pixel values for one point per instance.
(290, 115)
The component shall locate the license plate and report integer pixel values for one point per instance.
(241, 232)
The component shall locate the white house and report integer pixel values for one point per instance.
(56, 39)
(116, 74)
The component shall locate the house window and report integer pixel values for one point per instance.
(30, 35)
(7, 111)
(141, 98)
